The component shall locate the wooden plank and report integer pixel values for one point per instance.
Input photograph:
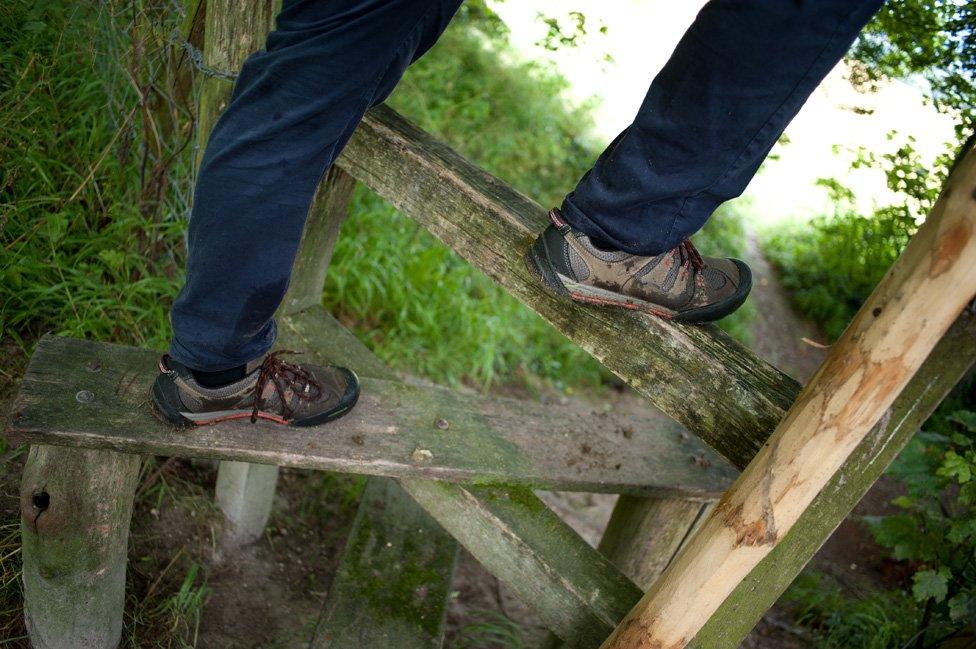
(396, 430)
(75, 508)
(575, 590)
(394, 579)
(695, 374)
(891, 336)
(644, 534)
(954, 356)
(232, 31)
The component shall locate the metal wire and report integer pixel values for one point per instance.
(196, 56)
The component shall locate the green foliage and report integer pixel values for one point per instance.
(931, 38)
(832, 263)
(84, 251)
(937, 526)
(878, 620)
(491, 631)
(412, 300)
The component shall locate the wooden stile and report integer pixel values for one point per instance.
(864, 372)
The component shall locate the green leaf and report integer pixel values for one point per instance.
(956, 466)
(960, 605)
(966, 418)
(929, 583)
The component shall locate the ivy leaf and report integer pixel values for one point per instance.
(960, 605)
(955, 466)
(929, 583)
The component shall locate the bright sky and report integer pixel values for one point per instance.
(641, 35)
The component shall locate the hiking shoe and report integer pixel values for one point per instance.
(678, 284)
(271, 389)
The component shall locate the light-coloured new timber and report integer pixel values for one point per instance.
(75, 507)
(396, 430)
(507, 529)
(948, 363)
(894, 332)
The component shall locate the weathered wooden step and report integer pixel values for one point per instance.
(93, 395)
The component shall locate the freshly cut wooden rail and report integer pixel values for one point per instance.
(396, 430)
(696, 375)
(846, 401)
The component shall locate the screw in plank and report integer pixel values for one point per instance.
(84, 396)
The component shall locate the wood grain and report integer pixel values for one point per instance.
(575, 590)
(394, 578)
(75, 507)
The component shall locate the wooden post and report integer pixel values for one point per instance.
(75, 509)
(644, 534)
(847, 400)
(329, 210)
(245, 492)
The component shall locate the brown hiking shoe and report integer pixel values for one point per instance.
(679, 284)
(271, 389)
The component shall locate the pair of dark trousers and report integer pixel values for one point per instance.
(738, 76)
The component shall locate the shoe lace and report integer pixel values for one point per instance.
(283, 376)
(688, 254)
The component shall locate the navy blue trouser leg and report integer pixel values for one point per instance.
(295, 104)
(738, 76)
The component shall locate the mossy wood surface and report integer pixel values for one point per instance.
(848, 400)
(697, 375)
(394, 578)
(75, 507)
(396, 430)
(644, 534)
(576, 591)
(743, 608)
(325, 217)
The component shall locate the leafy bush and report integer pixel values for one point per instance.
(832, 263)
(937, 527)
(878, 620)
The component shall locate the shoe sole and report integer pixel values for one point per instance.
(538, 264)
(165, 406)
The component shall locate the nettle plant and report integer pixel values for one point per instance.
(936, 528)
